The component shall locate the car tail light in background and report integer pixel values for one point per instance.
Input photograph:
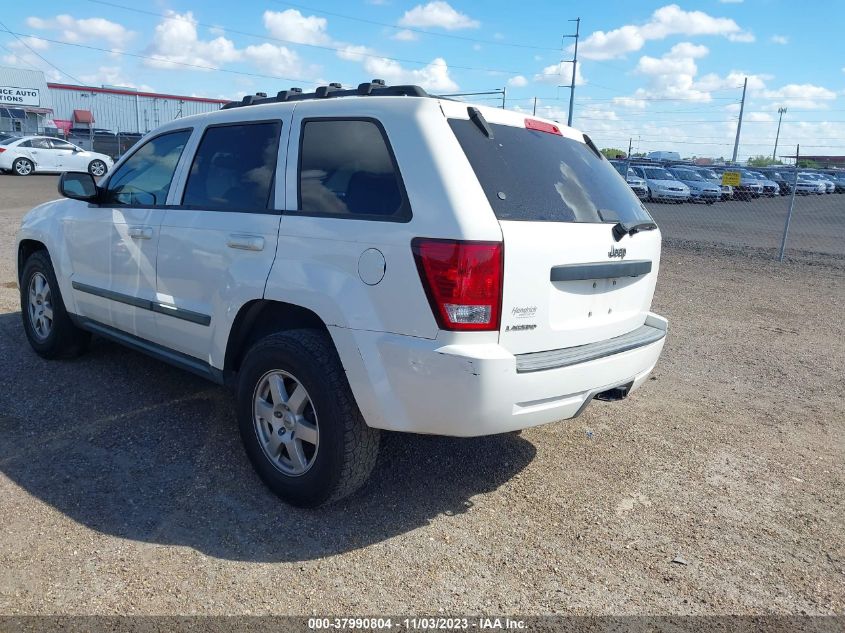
(2, 149)
(463, 282)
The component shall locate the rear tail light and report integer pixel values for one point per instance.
(463, 282)
(2, 149)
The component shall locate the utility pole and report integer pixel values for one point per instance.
(504, 93)
(91, 122)
(534, 111)
(739, 123)
(791, 206)
(781, 112)
(628, 161)
(574, 62)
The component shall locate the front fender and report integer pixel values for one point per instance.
(46, 224)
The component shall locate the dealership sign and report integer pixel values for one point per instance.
(9, 95)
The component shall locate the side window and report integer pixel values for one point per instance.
(234, 167)
(25, 144)
(145, 177)
(40, 143)
(58, 144)
(346, 169)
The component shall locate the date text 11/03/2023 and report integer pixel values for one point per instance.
(420, 623)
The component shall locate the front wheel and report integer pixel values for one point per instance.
(97, 168)
(23, 167)
(47, 324)
(299, 422)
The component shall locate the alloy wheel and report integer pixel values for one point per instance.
(98, 168)
(40, 306)
(285, 422)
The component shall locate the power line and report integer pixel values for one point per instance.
(413, 29)
(38, 55)
(157, 59)
(324, 47)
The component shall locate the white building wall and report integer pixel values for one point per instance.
(120, 112)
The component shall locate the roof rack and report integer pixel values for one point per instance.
(374, 88)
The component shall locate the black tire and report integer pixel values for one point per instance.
(23, 167)
(347, 449)
(97, 168)
(64, 339)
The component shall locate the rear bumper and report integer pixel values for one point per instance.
(415, 385)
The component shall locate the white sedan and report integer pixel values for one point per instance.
(29, 154)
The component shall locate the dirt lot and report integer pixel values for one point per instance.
(124, 489)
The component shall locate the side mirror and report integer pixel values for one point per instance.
(78, 185)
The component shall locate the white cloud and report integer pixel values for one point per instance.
(780, 39)
(731, 1)
(113, 76)
(404, 36)
(732, 81)
(560, 74)
(273, 59)
(292, 26)
(438, 14)
(804, 96)
(517, 82)
(759, 117)
(664, 22)
(630, 102)
(20, 55)
(83, 30)
(433, 77)
(673, 74)
(175, 39)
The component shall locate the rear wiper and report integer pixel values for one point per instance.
(621, 229)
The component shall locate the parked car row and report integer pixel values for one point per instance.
(676, 181)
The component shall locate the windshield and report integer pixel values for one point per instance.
(542, 177)
(709, 173)
(657, 173)
(684, 174)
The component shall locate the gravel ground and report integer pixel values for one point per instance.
(715, 489)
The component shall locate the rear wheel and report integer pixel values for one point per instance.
(299, 422)
(23, 167)
(97, 168)
(48, 327)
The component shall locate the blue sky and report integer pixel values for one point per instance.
(668, 75)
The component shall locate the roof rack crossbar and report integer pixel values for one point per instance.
(374, 88)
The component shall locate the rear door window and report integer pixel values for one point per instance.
(347, 170)
(234, 167)
(542, 177)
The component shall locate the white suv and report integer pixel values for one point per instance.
(356, 260)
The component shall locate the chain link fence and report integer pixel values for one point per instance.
(784, 211)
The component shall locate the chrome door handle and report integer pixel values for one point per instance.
(141, 232)
(246, 242)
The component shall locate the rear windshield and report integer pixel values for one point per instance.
(541, 177)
